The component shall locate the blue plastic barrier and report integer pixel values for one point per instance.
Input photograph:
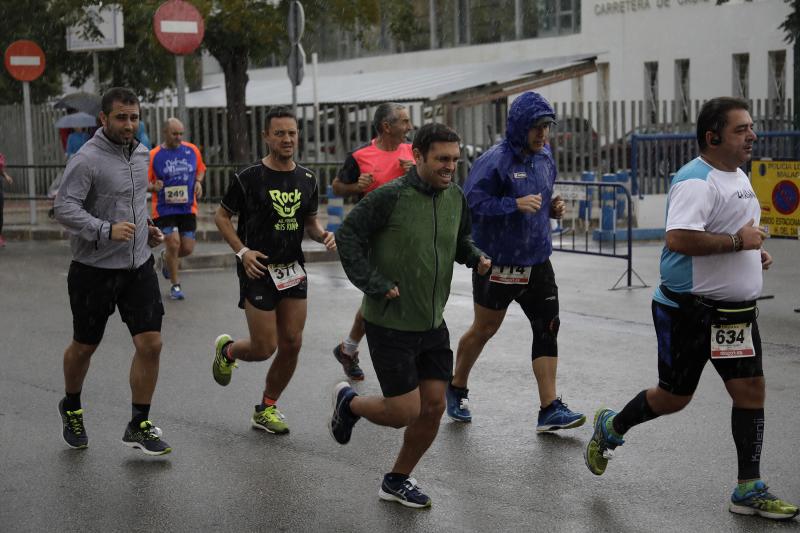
(585, 206)
(335, 210)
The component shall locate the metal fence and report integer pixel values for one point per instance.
(591, 136)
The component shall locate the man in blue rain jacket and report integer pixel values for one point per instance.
(510, 194)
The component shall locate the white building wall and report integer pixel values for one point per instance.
(626, 34)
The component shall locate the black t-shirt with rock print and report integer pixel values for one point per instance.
(272, 206)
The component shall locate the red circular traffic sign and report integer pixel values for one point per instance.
(24, 60)
(179, 27)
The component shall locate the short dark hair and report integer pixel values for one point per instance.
(385, 113)
(277, 112)
(433, 133)
(714, 116)
(117, 94)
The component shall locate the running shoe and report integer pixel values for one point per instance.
(222, 368)
(342, 419)
(163, 260)
(600, 449)
(406, 492)
(558, 416)
(760, 502)
(175, 292)
(74, 433)
(349, 364)
(458, 404)
(147, 438)
(270, 420)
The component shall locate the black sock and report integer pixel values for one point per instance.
(636, 412)
(394, 477)
(747, 426)
(72, 402)
(459, 389)
(140, 413)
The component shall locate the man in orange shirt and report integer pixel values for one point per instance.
(176, 181)
(384, 158)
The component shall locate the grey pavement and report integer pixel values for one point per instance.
(496, 474)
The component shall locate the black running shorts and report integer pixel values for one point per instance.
(402, 358)
(538, 300)
(262, 293)
(95, 292)
(684, 348)
(186, 224)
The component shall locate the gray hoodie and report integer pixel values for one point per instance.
(100, 187)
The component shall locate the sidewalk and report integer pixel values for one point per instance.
(211, 251)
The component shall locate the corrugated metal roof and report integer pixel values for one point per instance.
(272, 87)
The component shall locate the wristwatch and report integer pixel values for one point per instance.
(240, 253)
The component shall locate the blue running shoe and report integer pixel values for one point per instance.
(175, 292)
(342, 419)
(163, 260)
(405, 492)
(759, 501)
(601, 447)
(558, 416)
(458, 404)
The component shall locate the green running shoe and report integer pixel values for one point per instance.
(222, 368)
(270, 420)
(759, 501)
(600, 448)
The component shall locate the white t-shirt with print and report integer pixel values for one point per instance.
(703, 198)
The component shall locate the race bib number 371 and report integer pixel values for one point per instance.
(287, 276)
(732, 341)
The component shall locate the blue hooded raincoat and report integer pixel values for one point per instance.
(503, 174)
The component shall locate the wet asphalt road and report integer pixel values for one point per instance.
(673, 474)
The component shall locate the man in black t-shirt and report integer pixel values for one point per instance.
(276, 201)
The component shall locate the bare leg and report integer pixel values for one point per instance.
(544, 369)
(420, 434)
(77, 358)
(291, 314)
(144, 367)
(484, 326)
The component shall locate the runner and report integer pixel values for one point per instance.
(384, 158)
(705, 307)
(506, 190)
(398, 246)
(102, 202)
(276, 202)
(176, 180)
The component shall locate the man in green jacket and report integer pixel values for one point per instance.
(398, 246)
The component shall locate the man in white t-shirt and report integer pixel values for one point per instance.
(705, 307)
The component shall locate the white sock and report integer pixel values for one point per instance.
(349, 346)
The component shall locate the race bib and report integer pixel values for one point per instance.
(287, 275)
(732, 341)
(510, 275)
(177, 194)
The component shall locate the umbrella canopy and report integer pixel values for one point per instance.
(80, 101)
(77, 120)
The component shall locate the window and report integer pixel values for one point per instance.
(741, 75)
(559, 17)
(683, 103)
(651, 91)
(776, 90)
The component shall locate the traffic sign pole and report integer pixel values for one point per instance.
(25, 61)
(180, 84)
(26, 97)
(179, 27)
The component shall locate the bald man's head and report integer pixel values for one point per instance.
(173, 132)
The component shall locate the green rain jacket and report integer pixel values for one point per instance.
(408, 234)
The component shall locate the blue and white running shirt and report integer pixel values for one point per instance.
(703, 198)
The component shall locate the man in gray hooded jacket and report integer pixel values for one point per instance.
(102, 204)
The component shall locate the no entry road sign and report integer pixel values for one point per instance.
(24, 60)
(179, 27)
